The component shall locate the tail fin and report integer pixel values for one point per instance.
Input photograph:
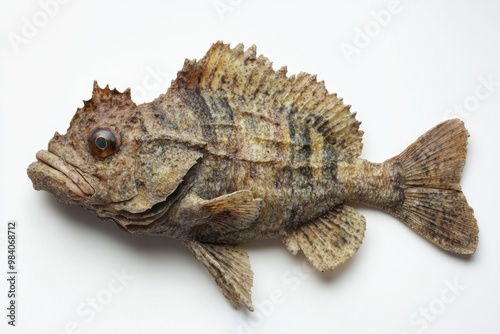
(434, 205)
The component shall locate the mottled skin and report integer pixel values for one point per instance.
(296, 178)
(237, 151)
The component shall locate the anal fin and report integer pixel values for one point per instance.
(330, 239)
(229, 266)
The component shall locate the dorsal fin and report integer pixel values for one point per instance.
(243, 75)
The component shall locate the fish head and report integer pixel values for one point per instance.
(110, 163)
(91, 164)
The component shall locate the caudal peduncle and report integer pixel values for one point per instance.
(375, 184)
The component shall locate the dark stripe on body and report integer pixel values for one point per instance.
(220, 108)
(195, 102)
(329, 162)
(301, 176)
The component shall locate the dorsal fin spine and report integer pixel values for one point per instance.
(313, 105)
(326, 116)
(302, 83)
(220, 71)
(210, 67)
(239, 78)
(259, 79)
(310, 93)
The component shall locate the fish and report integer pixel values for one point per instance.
(236, 151)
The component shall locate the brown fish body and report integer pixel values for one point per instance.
(294, 176)
(286, 164)
(237, 151)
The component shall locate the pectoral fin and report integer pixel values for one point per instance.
(223, 214)
(229, 266)
(329, 240)
(232, 212)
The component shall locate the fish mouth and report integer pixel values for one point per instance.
(56, 176)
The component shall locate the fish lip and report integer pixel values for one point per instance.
(67, 171)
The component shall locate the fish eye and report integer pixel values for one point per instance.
(103, 143)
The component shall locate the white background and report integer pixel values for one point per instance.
(407, 76)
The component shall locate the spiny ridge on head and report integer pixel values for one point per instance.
(104, 104)
(110, 98)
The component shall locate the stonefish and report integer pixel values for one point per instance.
(236, 151)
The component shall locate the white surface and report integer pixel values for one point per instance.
(429, 57)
